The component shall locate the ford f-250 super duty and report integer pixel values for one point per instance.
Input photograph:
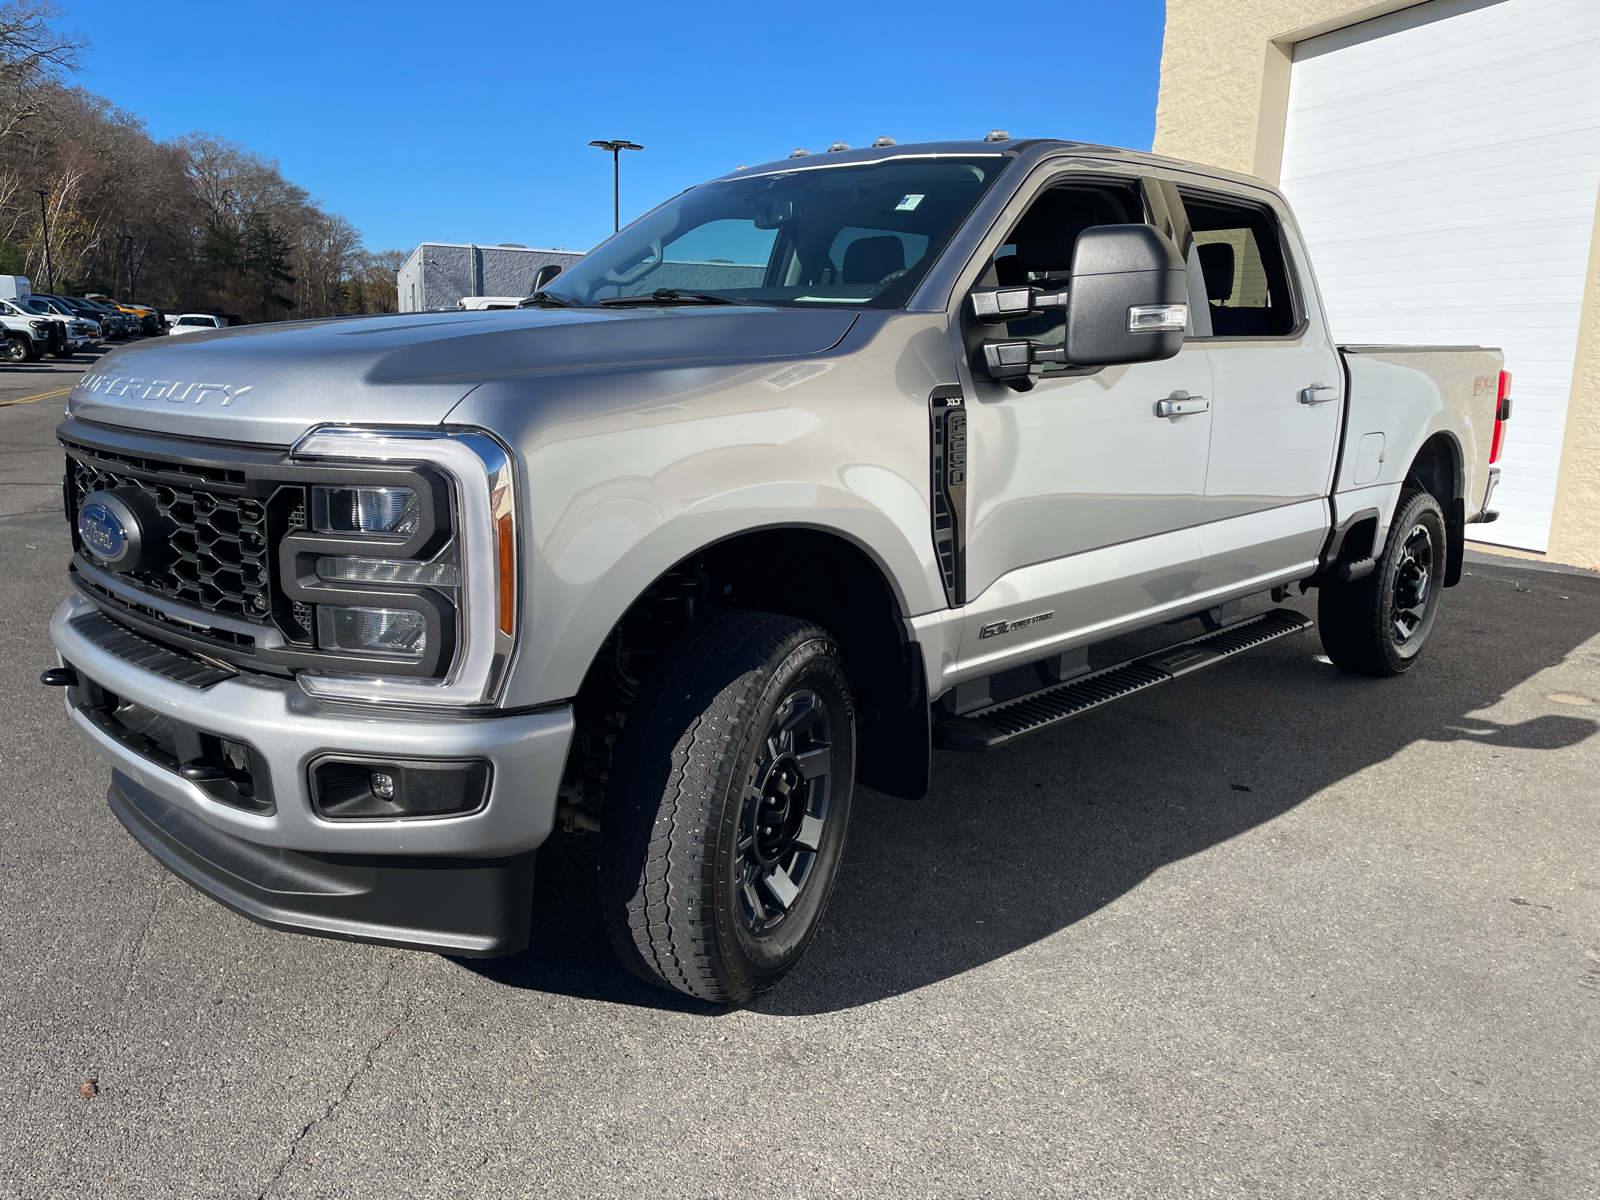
(753, 504)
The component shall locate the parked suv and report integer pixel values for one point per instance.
(814, 467)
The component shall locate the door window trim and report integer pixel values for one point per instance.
(1285, 258)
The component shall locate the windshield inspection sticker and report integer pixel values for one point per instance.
(909, 203)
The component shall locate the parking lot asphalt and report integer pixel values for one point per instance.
(1271, 931)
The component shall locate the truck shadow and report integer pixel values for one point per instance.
(1011, 847)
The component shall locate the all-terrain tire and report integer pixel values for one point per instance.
(1378, 625)
(726, 812)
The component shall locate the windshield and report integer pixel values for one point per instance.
(856, 235)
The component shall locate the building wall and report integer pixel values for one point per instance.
(1224, 96)
(439, 275)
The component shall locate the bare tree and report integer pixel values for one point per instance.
(32, 54)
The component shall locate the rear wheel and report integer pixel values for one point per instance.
(725, 817)
(1379, 625)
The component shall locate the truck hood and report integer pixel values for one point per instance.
(269, 384)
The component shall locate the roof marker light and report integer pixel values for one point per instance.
(879, 143)
(799, 152)
(997, 135)
(838, 146)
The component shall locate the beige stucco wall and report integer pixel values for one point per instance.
(1224, 96)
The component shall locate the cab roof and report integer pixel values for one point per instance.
(1029, 149)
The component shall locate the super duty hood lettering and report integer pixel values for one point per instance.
(175, 391)
(412, 370)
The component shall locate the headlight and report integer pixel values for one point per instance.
(420, 578)
(387, 632)
(383, 510)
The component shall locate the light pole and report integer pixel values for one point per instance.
(44, 220)
(616, 146)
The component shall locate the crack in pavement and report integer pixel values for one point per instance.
(144, 936)
(349, 1085)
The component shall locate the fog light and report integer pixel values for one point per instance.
(385, 632)
(351, 788)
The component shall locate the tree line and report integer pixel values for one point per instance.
(197, 222)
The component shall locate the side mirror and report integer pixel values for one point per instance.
(544, 275)
(1129, 297)
(1127, 303)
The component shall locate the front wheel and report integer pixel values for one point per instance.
(19, 351)
(725, 817)
(1378, 625)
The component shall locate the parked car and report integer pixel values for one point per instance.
(815, 466)
(196, 323)
(114, 325)
(145, 320)
(483, 303)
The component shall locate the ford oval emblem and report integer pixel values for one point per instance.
(109, 530)
(101, 532)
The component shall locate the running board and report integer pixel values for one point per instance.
(1008, 720)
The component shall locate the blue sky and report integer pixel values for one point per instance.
(471, 122)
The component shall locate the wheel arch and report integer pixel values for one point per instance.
(1439, 468)
(817, 573)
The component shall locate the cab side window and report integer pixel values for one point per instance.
(1038, 252)
(1243, 276)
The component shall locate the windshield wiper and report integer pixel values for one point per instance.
(670, 296)
(544, 300)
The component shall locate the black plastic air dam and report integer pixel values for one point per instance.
(471, 907)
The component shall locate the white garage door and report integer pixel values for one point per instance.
(1443, 162)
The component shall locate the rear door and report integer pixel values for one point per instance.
(1277, 391)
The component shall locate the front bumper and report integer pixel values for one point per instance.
(288, 729)
(472, 907)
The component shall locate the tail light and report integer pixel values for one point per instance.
(1502, 414)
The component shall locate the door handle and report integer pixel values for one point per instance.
(1182, 406)
(1318, 393)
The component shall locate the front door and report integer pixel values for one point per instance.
(1083, 504)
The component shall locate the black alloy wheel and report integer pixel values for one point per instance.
(1413, 598)
(785, 811)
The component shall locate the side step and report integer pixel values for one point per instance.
(1000, 723)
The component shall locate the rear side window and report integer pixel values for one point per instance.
(1238, 256)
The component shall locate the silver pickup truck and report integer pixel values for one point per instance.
(813, 469)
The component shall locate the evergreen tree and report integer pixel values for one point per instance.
(266, 262)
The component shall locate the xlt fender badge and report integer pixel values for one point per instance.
(163, 389)
(999, 627)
